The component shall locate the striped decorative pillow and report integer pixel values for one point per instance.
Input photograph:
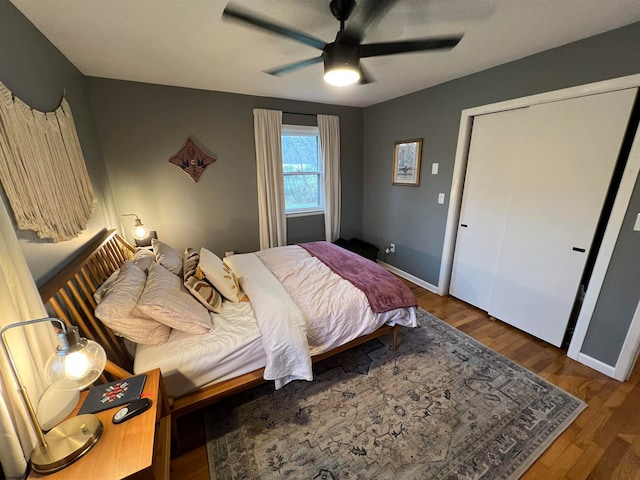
(199, 287)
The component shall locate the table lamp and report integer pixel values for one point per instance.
(77, 363)
(139, 231)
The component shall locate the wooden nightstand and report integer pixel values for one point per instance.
(138, 448)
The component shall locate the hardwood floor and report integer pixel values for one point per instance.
(603, 442)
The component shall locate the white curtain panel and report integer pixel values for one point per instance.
(267, 125)
(30, 346)
(329, 128)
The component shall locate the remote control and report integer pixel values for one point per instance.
(129, 411)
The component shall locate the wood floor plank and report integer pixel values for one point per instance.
(585, 464)
(603, 443)
(566, 462)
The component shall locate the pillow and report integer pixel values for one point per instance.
(121, 296)
(221, 276)
(103, 290)
(200, 288)
(117, 308)
(166, 300)
(167, 256)
(143, 259)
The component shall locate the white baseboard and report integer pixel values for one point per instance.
(601, 367)
(411, 278)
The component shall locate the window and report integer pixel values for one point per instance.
(302, 168)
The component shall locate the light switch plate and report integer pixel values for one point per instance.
(434, 168)
(636, 226)
(441, 198)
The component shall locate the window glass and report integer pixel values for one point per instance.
(301, 192)
(299, 153)
(302, 169)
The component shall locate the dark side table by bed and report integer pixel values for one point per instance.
(136, 449)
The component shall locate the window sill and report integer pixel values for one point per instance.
(306, 213)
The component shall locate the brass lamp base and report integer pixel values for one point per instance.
(66, 443)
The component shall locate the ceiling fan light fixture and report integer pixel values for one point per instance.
(341, 65)
(342, 76)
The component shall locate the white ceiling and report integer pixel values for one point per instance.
(185, 42)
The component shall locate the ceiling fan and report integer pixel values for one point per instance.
(342, 56)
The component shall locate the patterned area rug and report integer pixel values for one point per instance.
(442, 407)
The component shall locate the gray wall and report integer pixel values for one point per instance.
(411, 217)
(36, 72)
(141, 126)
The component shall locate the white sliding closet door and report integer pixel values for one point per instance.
(485, 204)
(565, 164)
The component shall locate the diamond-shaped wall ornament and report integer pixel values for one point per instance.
(192, 159)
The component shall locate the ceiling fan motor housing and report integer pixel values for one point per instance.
(340, 55)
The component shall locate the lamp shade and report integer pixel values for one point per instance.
(139, 230)
(77, 363)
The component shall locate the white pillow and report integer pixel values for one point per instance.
(221, 276)
(123, 293)
(117, 308)
(143, 259)
(103, 289)
(167, 256)
(166, 300)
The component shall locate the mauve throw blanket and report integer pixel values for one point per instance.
(383, 290)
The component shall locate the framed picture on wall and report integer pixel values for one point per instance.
(406, 162)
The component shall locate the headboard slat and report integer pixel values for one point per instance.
(105, 262)
(96, 274)
(117, 253)
(59, 312)
(111, 256)
(87, 285)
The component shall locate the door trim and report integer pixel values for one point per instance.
(613, 227)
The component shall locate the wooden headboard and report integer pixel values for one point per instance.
(69, 295)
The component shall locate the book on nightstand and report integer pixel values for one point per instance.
(113, 394)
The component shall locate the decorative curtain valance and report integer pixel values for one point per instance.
(42, 169)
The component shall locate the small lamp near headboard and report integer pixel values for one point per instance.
(141, 235)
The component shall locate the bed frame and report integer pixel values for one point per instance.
(69, 295)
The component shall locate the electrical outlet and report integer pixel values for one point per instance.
(392, 248)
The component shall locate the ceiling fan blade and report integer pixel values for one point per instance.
(391, 48)
(291, 67)
(234, 13)
(366, 16)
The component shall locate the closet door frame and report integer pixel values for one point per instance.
(632, 342)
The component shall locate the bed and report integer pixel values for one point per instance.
(245, 344)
